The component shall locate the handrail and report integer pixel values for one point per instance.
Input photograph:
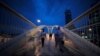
(81, 15)
(5, 6)
(18, 41)
(85, 26)
(83, 45)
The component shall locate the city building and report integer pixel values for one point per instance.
(88, 24)
(68, 18)
(94, 19)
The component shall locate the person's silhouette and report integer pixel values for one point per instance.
(43, 37)
(50, 36)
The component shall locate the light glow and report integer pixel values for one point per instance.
(38, 20)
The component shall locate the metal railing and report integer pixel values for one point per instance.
(17, 26)
(87, 25)
(12, 20)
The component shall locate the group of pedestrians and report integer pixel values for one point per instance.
(58, 38)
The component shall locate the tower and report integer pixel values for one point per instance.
(68, 18)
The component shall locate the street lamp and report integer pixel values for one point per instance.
(38, 20)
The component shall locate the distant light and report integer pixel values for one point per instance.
(90, 29)
(86, 37)
(38, 20)
(82, 33)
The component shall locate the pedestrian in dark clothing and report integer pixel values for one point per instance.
(43, 35)
(42, 40)
(56, 40)
(59, 39)
(50, 36)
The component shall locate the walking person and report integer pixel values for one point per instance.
(42, 40)
(56, 40)
(59, 39)
(50, 36)
(43, 35)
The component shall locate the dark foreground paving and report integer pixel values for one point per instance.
(49, 49)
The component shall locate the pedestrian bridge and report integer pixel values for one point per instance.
(27, 40)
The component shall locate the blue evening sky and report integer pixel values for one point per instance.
(50, 12)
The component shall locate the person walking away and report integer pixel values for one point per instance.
(59, 39)
(43, 35)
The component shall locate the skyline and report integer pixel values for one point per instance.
(49, 11)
